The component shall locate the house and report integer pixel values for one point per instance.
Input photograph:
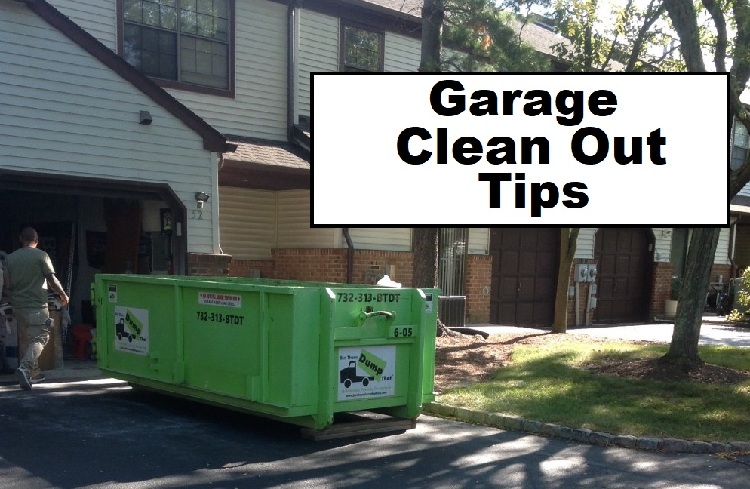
(218, 181)
(101, 160)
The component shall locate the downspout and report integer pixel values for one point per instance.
(349, 256)
(291, 68)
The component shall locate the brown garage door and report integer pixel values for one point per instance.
(524, 275)
(624, 274)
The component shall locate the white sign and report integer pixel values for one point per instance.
(366, 372)
(131, 330)
(220, 299)
(465, 150)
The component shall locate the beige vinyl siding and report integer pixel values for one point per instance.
(318, 50)
(258, 108)
(401, 53)
(97, 17)
(66, 113)
(247, 218)
(294, 229)
(479, 241)
(383, 239)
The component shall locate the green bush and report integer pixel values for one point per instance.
(741, 289)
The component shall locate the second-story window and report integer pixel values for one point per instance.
(361, 49)
(186, 41)
(741, 145)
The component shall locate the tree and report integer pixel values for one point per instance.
(480, 39)
(683, 350)
(568, 240)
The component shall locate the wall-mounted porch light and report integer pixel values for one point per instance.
(201, 198)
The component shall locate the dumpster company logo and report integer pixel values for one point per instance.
(131, 330)
(223, 300)
(366, 373)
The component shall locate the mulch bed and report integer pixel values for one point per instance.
(464, 359)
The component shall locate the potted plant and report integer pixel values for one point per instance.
(670, 305)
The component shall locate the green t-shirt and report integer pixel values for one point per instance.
(26, 269)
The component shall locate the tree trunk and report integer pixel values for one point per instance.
(568, 240)
(683, 16)
(683, 350)
(433, 13)
(425, 265)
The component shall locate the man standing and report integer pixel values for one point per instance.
(28, 273)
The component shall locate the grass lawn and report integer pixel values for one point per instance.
(555, 383)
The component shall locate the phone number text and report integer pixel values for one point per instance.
(217, 317)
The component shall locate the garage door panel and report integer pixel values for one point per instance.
(524, 280)
(623, 278)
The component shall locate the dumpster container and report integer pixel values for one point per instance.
(294, 351)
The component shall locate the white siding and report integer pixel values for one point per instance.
(722, 249)
(258, 108)
(318, 50)
(384, 239)
(401, 53)
(248, 222)
(585, 244)
(479, 241)
(662, 244)
(294, 229)
(98, 17)
(64, 112)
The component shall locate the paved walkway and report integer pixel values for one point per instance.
(714, 331)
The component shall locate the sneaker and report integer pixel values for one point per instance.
(23, 379)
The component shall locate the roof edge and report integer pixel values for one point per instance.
(213, 140)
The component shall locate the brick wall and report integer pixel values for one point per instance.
(478, 288)
(208, 265)
(248, 268)
(330, 265)
(661, 287)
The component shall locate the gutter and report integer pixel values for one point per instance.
(291, 69)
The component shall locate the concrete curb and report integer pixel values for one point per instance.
(582, 435)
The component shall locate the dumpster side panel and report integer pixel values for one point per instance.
(135, 332)
(293, 336)
(222, 332)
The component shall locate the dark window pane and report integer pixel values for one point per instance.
(131, 10)
(205, 7)
(168, 17)
(222, 29)
(151, 13)
(188, 22)
(205, 25)
(167, 66)
(361, 49)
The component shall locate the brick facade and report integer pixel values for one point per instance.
(478, 288)
(208, 265)
(330, 265)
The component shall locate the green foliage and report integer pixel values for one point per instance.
(741, 298)
(480, 37)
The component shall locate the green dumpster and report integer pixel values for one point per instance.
(295, 351)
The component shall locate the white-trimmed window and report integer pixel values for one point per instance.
(188, 42)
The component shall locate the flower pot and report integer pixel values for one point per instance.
(670, 308)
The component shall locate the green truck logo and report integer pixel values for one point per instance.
(129, 327)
